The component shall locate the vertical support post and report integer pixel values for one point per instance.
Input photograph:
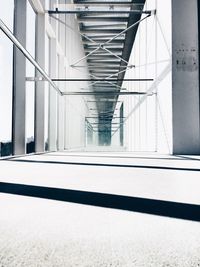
(52, 130)
(40, 86)
(52, 100)
(61, 70)
(66, 130)
(61, 123)
(156, 76)
(185, 77)
(121, 112)
(19, 82)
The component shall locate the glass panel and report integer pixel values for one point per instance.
(6, 76)
(148, 123)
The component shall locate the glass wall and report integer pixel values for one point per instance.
(6, 75)
(148, 122)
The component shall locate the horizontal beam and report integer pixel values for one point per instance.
(108, 71)
(104, 60)
(100, 131)
(87, 31)
(118, 26)
(104, 37)
(87, 11)
(99, 66)
(105, 118)
(104, 122)
(104, 55)
(107, 100)
(117, 42)
(127, 3)
(100, 80)
(104, 19)
(104, 93)
(117, 49)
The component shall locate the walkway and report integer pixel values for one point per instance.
(42, 231)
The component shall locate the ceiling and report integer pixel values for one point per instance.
(108, 44)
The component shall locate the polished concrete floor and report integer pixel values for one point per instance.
(41, 230)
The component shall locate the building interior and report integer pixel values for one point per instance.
(99, 133)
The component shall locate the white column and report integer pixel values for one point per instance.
(61, 122)
(19, 83)
(52, 99)
(61, 103)
(185, 77)
(40, 86)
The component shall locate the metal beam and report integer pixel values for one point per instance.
(104, 19)
(110, 4)
(93, 56)
(96, 70)
(105, 118)
(117, 49)
(105, 55)
(86, 11)
(101, 80)
(117, 42)
(107, 100)
(116, 26)
(104, 37)
(96, 123)
(126, 3)
(104, 61)
(111, 93)
(85, 30)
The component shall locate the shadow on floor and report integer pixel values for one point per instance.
(143, 205)
(118, 157)
(105, 165)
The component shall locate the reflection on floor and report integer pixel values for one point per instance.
(45, 232)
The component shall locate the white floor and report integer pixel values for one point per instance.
(40, 232)
(173, 178)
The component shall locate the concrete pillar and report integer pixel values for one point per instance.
(185, 77)
(40, 86)
(19, 83)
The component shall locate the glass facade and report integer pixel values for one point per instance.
(6, 74)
